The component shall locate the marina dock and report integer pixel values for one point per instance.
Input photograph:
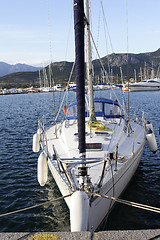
(152, 234)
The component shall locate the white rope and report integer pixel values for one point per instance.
(35, 206)
(133, 204)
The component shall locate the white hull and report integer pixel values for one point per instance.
(146, 85)
(101, 87)
(141, 89)
(100, 207)
(60, 144)
(45, 90)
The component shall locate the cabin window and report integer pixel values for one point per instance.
(98, 107)
(72, 111)
(153, 81)
(111, 109)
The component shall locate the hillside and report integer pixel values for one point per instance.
(6, 68)
(143, 62)
(60, 74)
(20, 80)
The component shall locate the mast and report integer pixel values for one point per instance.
(80, 77)
(152, 72)
(50, 76)
(135, 78)
(89, 73)
(40, 80)
(141, 73)
(145, 72)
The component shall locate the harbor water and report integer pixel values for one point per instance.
(19, 188)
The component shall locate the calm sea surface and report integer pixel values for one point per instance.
(19, 115)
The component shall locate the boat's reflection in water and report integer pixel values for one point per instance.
(54, 216)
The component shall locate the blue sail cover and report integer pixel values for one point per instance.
(80, 76)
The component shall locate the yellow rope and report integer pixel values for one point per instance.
(97, 126)
(44, 236)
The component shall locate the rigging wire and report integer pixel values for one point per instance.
(127, 24)
(124, 102)
(50, 43)
(105, 21)
(106, 217)
(106, 25)
(66, 92)
(60, 95)
(50, 72)
(105, 34)
(103, 67)
(127, 67)
(99, 20)
(69, 33)
(101, 63)
(49, 31)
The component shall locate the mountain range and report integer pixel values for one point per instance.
(142, 64)
(6, 68)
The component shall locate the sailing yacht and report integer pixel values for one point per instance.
(94, 152)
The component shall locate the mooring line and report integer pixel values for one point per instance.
(133, 204)
(129, 203)
(35, 206)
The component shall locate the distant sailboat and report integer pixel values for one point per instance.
(46, 80)
(95, 151)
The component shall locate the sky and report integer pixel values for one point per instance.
(37, 32)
